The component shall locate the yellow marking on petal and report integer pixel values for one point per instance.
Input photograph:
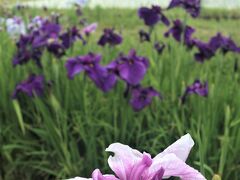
(51, 40)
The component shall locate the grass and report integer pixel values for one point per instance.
(64, 134)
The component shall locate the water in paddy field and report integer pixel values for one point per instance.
(226, 4)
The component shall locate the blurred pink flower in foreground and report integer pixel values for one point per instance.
(130, 164)
(89, 29)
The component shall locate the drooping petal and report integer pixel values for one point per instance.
(165, 20)
(103, 79)
(142, 97)
(173, 166)
(123, 160)
(132, 73)
(33, 86)
(73, 67)
(181, 148)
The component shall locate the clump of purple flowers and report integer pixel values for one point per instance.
(206, 50)
(36, 23)
(181, 33)
(191, 6)
(217, 42)
(129, 68)
(27, 50)
(225, 44)
(47, 36)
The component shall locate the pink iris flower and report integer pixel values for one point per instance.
(90, 29)
(130, 164)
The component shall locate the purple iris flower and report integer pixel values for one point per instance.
(45, 35)
(101, 76)
(34, 85)
(55, 42)
(80, 63)
(87, 30)
(144, 36)
(26, 50)
(159, 47)
(206, 51)
(152, 16)
(55, 47)
(130, 68)
(224, 43)
(36, 23)
(49, 38)
(51, 29)
(69, 37)
(109, 37)
(198, 88)
(191, 6)
(179, 31)
(142, 97)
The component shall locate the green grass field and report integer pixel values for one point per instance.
(64, 134)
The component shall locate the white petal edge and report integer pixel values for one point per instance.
(181, 148)
(123, 160)
(79, 178)
(173, 166)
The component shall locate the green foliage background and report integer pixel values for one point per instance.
(64, 134)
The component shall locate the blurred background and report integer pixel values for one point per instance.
(226, 4)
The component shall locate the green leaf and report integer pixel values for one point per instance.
(19, 115)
